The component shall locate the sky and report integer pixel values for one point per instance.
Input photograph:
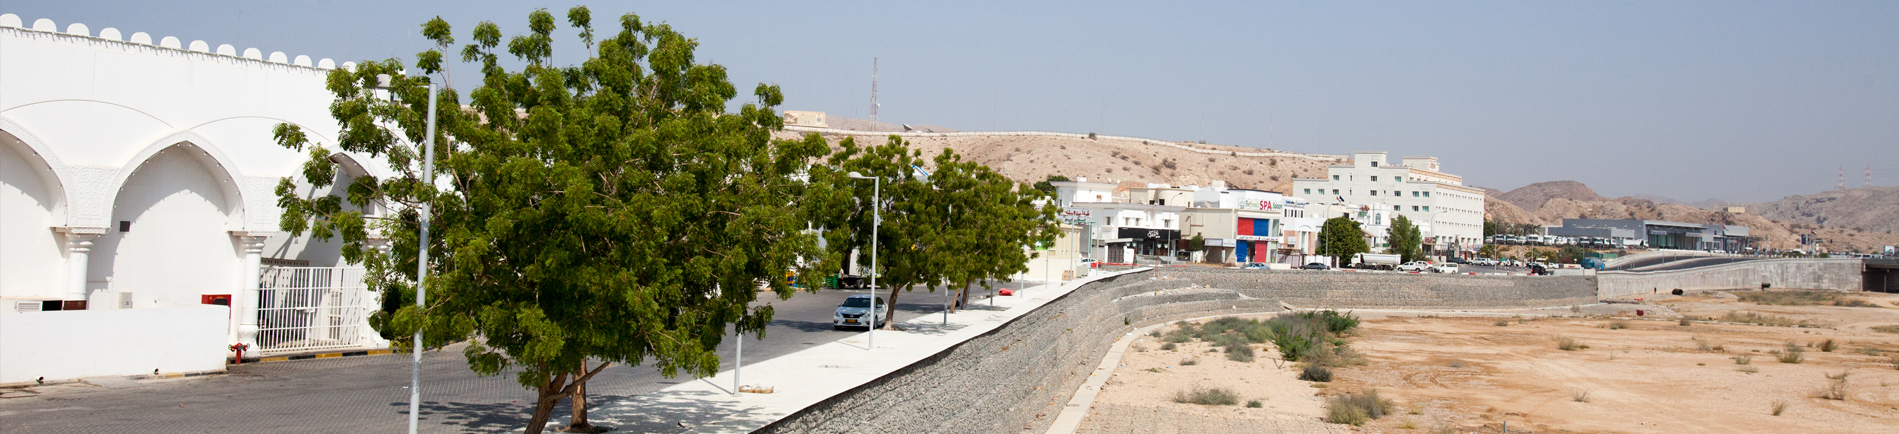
(1737, 100)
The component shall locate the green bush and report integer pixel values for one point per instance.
(1790, 353)
(1253, 404)
(1316, 373)
(1170, 346)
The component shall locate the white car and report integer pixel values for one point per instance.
(1414, 267)
(1444, 268)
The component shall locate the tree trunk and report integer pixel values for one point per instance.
(544, 405)
(890, 311)
(579, 421)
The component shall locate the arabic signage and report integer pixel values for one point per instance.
(1076, 216)
(1256, 238)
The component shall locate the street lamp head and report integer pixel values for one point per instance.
(856, 175)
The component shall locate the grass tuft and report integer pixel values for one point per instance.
(1780, 406)
(1579, 395)
(1790, 353)
(1356, 409)
(1743, 359)
(1170, 346)
(1767, 320)
(1189, 361)
(1207, 396)
(1835, 388)
(1254, 404)
(1316, 373)
(1750, 369)
(1566, 343)
(1618, 324)
(1827, 346)
(1886, 329)
(1241, 353)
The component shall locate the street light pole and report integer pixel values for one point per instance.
(422, 253)
(876, 219)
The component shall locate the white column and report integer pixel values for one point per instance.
(78, 253)
(244, 300)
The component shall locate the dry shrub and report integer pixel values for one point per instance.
(1827, 346)
(1566, 343)
(1835, 388)
(1780, 406)
(1207, 396)
(1618, 325)
(1790, 353)
(1356, 409)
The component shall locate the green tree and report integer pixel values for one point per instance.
(1196, 243)
(1342, 238)
(961, 225)
(1404, 239)
(1489, 251)
(1048, 185)
(611, 211)
(1490, 227)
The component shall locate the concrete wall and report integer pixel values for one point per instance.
(1312, 289)
(1821, 274)
(1018, 377)
(89, 343)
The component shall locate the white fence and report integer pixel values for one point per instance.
(313, 308)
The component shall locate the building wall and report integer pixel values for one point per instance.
(1453, 213)
(31, 259)
(99, 343)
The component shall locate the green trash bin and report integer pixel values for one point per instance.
(830, 281)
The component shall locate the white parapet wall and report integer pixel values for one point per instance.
(90, 343)
(1815, 274)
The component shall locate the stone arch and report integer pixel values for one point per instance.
(32, 204)
(306, 249)
(44, 163)
(169, 237)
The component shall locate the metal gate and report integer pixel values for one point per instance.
(313, 308)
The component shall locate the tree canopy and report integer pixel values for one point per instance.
(958, 226)
(1404, 239)
(611, 210)
(1342, 238)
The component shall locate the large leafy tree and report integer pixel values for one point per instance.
(960, 225)
(611, 211)
(1341, 238)
(1404, 239)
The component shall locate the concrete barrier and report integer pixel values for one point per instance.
(1328, 289)
(1816, 274)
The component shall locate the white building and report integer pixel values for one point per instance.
(136, 198)
(1118, 227)
(1450, 215)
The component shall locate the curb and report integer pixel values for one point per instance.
(329, 355)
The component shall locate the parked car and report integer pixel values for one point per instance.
(1414, 267)
(1539, 269)
(1255, 266)
(1444, 268)
(1315, 266)
(852, 313)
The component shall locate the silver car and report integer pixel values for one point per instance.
(855, 312)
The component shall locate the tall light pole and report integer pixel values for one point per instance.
(422, 253)
(876, 219)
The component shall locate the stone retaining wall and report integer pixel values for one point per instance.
(1820, 274)
(1320, 289)
(1018, 376)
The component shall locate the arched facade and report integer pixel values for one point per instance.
(141, 176)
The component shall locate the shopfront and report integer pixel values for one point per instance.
(1151, 241)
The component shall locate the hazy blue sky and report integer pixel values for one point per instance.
(1742, 101)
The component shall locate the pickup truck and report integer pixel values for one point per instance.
(1415, 267)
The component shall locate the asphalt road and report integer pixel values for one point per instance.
(369, 394)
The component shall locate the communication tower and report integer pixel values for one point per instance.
(873, 92)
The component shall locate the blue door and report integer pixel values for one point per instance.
(1239, 251)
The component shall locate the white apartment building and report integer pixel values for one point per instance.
(1117, 227)
(1449, 214)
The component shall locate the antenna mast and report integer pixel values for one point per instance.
(1841, 186)
(873, 92)
(1869, 176)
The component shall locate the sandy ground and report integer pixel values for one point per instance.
(1139, 398)
(1468, 374)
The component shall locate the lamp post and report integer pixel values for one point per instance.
(876, 219)
(422, 253)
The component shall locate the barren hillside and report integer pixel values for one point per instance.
(1533, 196)
(1559, 200)
(1031, 158)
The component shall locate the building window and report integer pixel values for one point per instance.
(1427, 207)
(1374, 164)
(1167, 223)
(1397, 208)
(1335, 177)
(1308, 191)
(1397, 178)
(1414, 194)
(1374, 178)
(1335, 191)
(1414, 207)
(1374, 192)
(1427, 194)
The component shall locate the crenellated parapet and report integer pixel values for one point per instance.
(46, 27)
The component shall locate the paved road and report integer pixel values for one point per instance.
(370, 393)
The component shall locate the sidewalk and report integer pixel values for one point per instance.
(804, 378)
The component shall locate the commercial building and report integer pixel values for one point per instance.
(1448, 214)
(1658, 234)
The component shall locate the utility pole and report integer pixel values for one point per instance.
(873, 92)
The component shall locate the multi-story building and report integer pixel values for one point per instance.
(1449, 214)
(1116, 227)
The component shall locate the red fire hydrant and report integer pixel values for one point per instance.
(239, 348)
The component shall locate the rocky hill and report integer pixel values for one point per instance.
(1871, 209)
(1777, 222)
(1533, 196)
